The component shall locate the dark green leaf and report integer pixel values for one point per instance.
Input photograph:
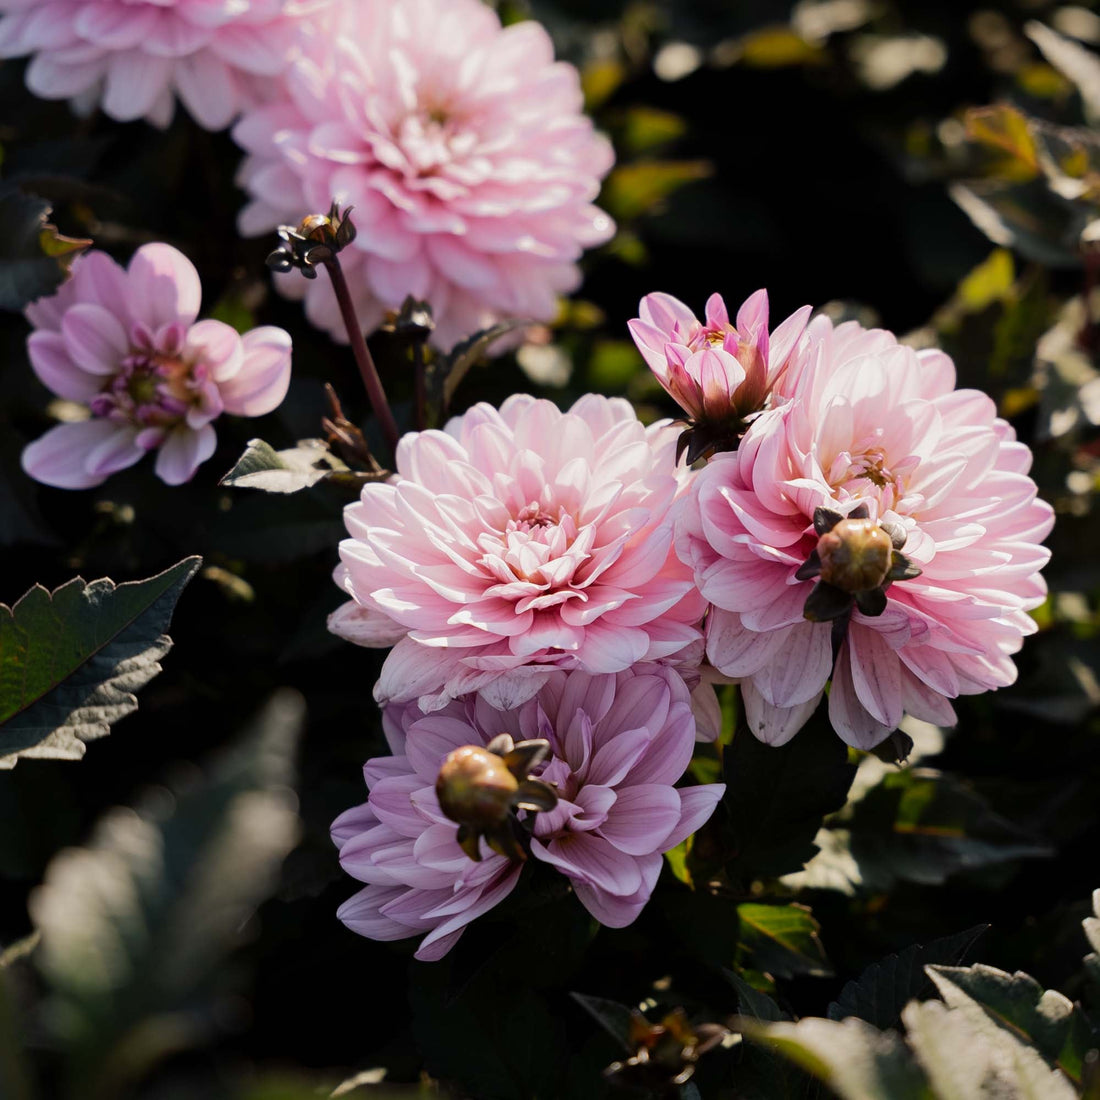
(136, 926)
(449, 370)
(71, 660)
(1053, 1024)
(917, 825)
(884, 989)
(34, 257)
(775, 801)
(751, 1002)
(855, 1060)
(612, 1016)
(781, 940)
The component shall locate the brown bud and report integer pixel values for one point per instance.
(855, 555)
(475, 787)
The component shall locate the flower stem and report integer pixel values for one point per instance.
(420, 361)
(375, 393)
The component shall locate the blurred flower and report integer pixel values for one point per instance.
(515, 542)
(463, 149)
(720, 373)
(125, 344)
(875, 429)
(618, 743)
(133, 58)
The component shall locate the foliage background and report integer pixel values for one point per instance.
(770, 160)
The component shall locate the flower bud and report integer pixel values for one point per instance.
(855, 555)
(475, 787)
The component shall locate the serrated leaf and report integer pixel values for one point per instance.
(886, 987)
(288, 471)
(613, 1017)
(855, 1060)
(964, 1062)
(1050, 1022)
(781, 940)
(71, 660)
(751, 1002)
(136, 925)
(34, 257)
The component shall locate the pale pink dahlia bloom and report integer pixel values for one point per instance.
(618, 744)
(134, 57)
(515, 542)
(125, 344)
(868, 421)
(460, 144)
(715, 370)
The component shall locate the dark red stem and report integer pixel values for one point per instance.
(375, 393)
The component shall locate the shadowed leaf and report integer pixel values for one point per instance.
(884, 989)
(71, 660)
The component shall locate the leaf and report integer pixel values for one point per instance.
(262, 467)
(751, 1002)
(918, 825)
(613, 1017)
(884, 989)
(1092, 934)
(34, 257)
(446, 374)
(855, 1060)
(1005, 129)
(367, 1077)
(21, 949)
(782, 940)
(640, 187)
(776, 48)
(15, 1075)
(136, 926)
(963, 1062)
(1050, 1022)
(775, 801)
(71, 660)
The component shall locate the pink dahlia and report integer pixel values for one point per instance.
(719, 372)
(515, 542)
(875, 428)
(462, 147)
(618, 744)
(133, 57)
(124, 343)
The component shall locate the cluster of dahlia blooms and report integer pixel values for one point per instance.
(462, 147)
(134, 57)
(874, 527)
(618, 743)
(125, 345)
(563, 577)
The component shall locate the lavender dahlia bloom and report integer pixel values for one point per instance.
(515, 542)
(462, 147)
(133, 57)
(125, 344)
(618, 744)
(867, 424)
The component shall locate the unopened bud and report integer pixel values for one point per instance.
(475, 787)
(855, 555)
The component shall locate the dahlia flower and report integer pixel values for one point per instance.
(124, 343)
(618, 744)
(515, 542)
(874, 429)
(133, 57)
(462, 148)
(719, 373)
